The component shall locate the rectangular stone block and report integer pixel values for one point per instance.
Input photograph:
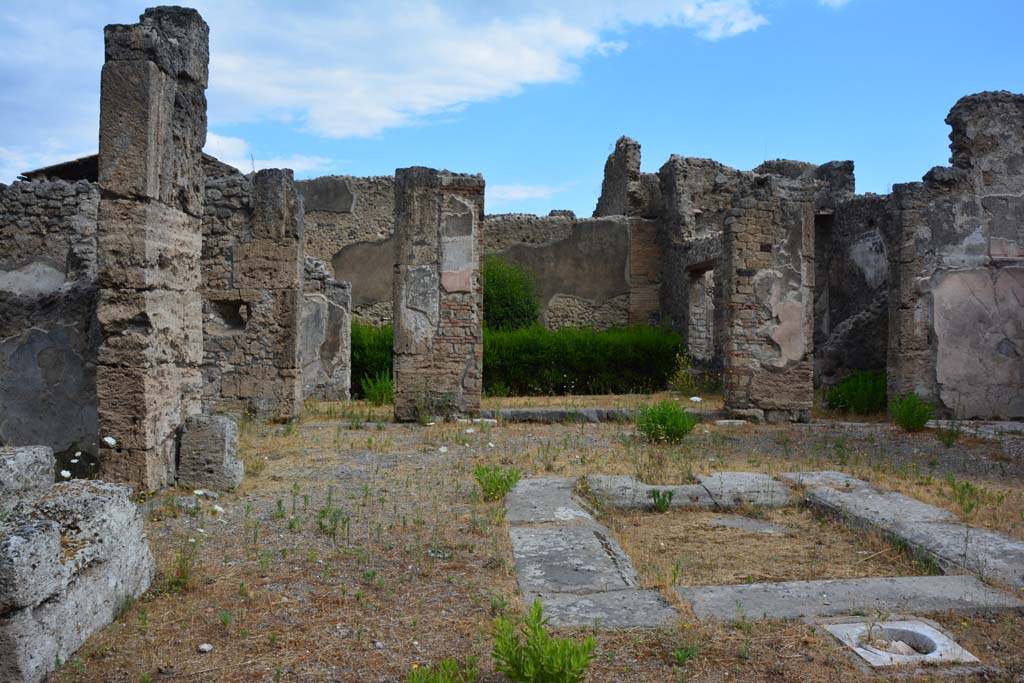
(142, 407)
(30, 562)
(150, 328)
(267, 264)
(209, 453)
(276, 206)
(136, 106)
(144, 245)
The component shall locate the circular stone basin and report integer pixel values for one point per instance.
(897, 640)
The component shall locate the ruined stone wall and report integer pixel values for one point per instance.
(851, 313)
(325, 334)
(625, 190)
(49, 336)
(252, 295)
(957, 277)
(149, 228)
(438, 340)
(768, 273)
(581, 267)
(349, 224)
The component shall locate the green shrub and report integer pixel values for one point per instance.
(862, 393)
(535, 361)
(446, 671)
(911, 412)
(380, 390)
(371, 355)
(661, 500)
(495, 481)
(541, 658)
(510, 295)
(665, 422)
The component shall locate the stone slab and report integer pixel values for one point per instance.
(209, 453)
(623, 491)
(823, 478)
(570, 559)
(730, 489)
(794, 599)
(992, 556)
(633, 608)
(870, 506)
(547, 500)
(747, 524)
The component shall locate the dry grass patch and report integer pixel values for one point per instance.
(685, 548)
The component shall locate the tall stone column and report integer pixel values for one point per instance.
(438, 295)
(152, 132)
(768, 264)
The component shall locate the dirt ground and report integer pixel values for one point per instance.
(356, 550)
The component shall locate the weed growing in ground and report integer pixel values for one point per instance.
(445, 671)
(379, 389)
(182, 575)
(661, 500)
(665, 422)
(495, 481)
(529, 655)
(911, 412)
(683, 654)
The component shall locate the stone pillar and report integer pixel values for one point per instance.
(768, 271)
(252, 290)
(152, 132)
(325, 334)
(438, 296)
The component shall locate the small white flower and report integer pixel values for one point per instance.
(191, 540)
(430, 424)
(442, 449)
(695, 399)
(74, 461)
(110, 441)
(65, 474)
(78, 454)
(198, 492)
(218, 509)
(706, 431)
(490, 445)
(470, 430)
(202, 531)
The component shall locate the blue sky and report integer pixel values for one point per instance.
(533, 94)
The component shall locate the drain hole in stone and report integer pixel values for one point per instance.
(899, 641)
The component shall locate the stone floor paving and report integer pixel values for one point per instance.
(570, 562)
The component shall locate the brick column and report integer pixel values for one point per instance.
(438, 296)
(152, 132)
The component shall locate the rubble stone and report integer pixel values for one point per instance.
(209, 453)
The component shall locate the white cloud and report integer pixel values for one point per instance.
(334, 70)
(835, 4)
(237, 152)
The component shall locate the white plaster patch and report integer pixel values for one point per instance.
(32, 279)
(868, 253)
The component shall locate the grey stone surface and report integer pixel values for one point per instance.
(325, 335)
(545, 500)
(824, 478)
(570, 559)
(559, 415)
(25, 472)
(730, 489)
(68, 561)
(632, 608)
(747, 524)
(871, 506)
(209, 453)
(328, 193)
(993, 556)
(794, 599)
(623, 491)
